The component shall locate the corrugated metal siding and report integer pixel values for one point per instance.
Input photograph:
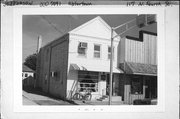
(121, 51)
(142, 52)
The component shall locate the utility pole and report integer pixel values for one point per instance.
(127, 28)
(112, 53)
(111, 68)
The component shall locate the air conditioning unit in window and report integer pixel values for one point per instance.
(83, 45)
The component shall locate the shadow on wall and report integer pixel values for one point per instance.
(28, 82)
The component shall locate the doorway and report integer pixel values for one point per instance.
(148, 88)
(151, 87)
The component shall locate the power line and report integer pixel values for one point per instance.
(51, 24)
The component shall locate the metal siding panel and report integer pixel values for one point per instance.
(152, 50)
(148, 49)
(139, 52)
(156, 45)
(145, 48)
(136, 52)
(126, 50)
(155, 51)
(132, 50)
(142, 52)
(130, 47)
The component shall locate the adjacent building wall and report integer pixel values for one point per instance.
(137, 51)
(144, 51)
(54, 58)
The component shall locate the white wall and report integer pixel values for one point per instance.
(89, 59)
(102, 87)
(71, 82)
(93, 33)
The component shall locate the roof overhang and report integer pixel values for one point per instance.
(139, 68)
(99, 68)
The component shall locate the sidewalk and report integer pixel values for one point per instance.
(33, 96)
(35, 99)
(27, 101)
(94, 102)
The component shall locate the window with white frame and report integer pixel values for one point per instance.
(88, 81)
(82, 47)
(109, 52)
(97, 51)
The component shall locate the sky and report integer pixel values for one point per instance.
(51, 27)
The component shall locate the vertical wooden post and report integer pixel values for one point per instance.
(111, 69)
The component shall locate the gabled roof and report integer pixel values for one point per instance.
(92, 20)
(86, 25)
(74, 31)
(27, 69)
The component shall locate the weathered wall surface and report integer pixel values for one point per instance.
(139, 51)
(54, 58)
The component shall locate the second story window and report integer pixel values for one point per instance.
(82, 47)
(97, 51)
(109, 52)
